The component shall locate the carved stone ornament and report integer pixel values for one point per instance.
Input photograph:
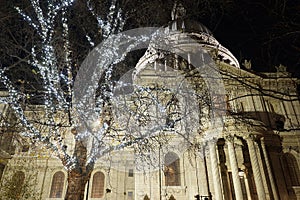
(247, 64)
(281, 68)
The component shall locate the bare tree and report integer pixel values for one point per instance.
(45, 106)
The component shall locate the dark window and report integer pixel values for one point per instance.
(130, 173)
(146, 197)
(18, 181)
(25, 148)
(57, 185)
(291, 169)
(172, 197)
(172, 170)
(98, 185)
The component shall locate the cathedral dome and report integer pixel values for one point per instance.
(201, 34)
(190, 26)
(181, 23)
(193, 30)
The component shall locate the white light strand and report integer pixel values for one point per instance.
(89, 39)
(28, 19)
(46, 63)
(31, 131)
(69, 78)
(114, 21)
(46, 67)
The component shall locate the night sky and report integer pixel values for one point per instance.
(267, 32)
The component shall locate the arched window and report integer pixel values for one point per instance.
(292, 169)
(18, 181)
(146, 197)
(172, 170)
(98, 185)
(172, 197)
(57, 185)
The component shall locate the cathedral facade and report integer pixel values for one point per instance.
(253, 154)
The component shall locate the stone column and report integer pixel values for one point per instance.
(272, 182)
(255, 167)
(234, 168)
(262, 171)
(215, 170)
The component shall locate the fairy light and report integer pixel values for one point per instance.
(121, 19)
(28, 19)
(114, 21)
(46, 66)
(69, 78)
(31, 131)
(89, 39)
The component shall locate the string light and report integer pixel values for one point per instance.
(114, 21)
(45, 65)
(55, 99)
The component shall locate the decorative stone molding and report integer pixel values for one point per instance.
(242, 127)
(174, 189)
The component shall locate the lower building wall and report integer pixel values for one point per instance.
(185, 177)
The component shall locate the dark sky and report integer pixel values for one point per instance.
(267, 32)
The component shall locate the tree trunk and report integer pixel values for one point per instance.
(76, 185)
(80, 174)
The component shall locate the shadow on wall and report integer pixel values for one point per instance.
(271, 120)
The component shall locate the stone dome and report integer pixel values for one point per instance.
(195, 31)
(200, 33)
(190, 26)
